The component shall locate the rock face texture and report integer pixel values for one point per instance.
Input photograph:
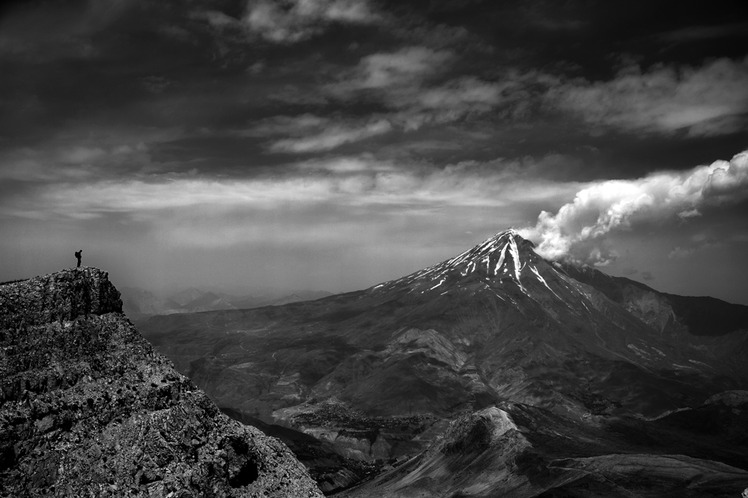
(88, 408)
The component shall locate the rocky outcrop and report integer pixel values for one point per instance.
(88, 408)
(60, 296)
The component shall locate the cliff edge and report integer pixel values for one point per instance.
(88, 408)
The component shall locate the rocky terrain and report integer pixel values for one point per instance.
(520, 450)
(88, 408)
(380, 374)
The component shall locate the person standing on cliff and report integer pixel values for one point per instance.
(78, 256)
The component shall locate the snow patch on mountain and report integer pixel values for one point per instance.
(499, 258)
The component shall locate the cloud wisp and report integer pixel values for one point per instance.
(579, 229)
(414, 80)
(701, 101)
(700, 33)
(309, 133)
(403, 69)
(292, 21)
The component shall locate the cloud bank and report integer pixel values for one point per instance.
(578, 230)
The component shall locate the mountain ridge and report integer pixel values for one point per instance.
(729, 316)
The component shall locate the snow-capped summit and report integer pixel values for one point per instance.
(504, 258)
(498, 256)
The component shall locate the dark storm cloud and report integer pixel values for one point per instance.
(209, 80)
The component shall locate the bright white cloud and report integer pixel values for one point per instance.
(601, 208)
(702, 101)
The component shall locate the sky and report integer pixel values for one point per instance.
(334, 144)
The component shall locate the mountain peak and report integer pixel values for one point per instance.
(500, 254)
(507, 249)
(498, 258)
(511, 231)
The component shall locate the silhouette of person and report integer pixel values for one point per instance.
(78, 257)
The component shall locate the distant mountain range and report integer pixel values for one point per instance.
(495, 372)
(140, 303)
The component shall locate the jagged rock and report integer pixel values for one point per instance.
(88, 408)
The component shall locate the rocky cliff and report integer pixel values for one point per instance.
(88, 408)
